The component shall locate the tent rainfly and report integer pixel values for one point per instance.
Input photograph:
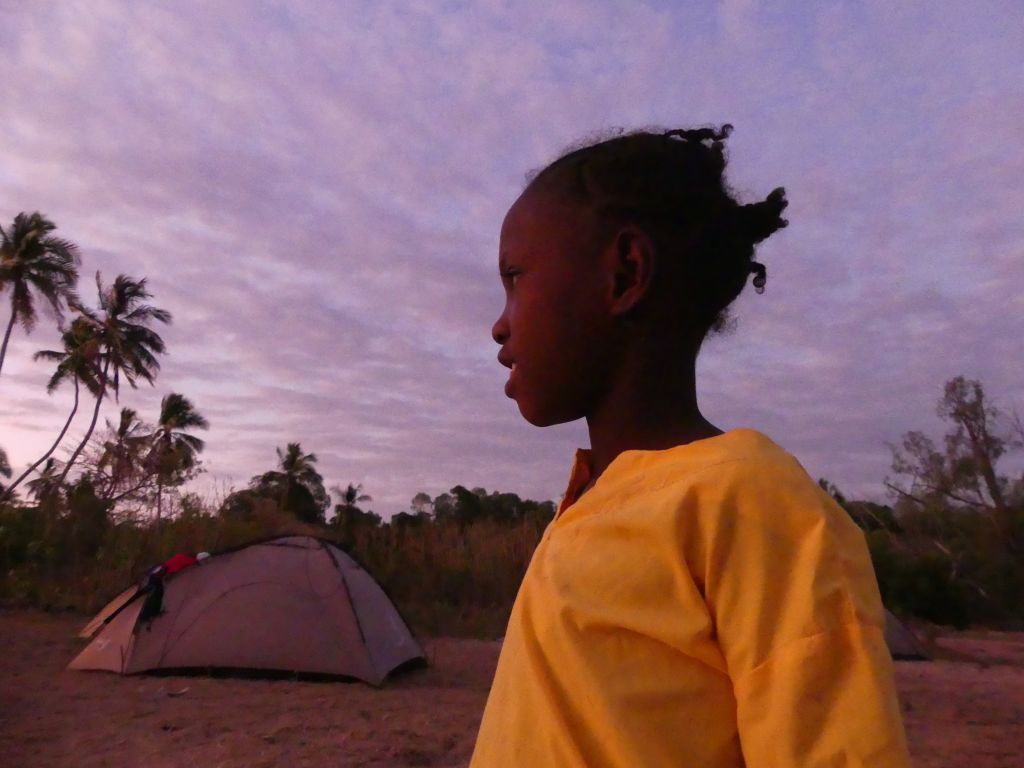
(903, 644)
(293, 604)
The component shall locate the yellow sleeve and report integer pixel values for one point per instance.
(796, 610)
(826, 700)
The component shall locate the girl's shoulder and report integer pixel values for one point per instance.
(736, 456)
(740, 474)
(751, 482)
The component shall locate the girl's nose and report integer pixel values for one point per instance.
(499, 331)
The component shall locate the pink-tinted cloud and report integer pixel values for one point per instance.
(315, 192)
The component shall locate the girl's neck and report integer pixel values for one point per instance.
(652, 411)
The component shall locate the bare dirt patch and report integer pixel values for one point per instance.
(965, 711)
(50, 716)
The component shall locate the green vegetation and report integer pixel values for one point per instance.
(949, 549)
(296, 486)
(456, 576)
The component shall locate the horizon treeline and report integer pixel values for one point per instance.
(949, 549)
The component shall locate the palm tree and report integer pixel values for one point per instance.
(76, 361)
(31, 259)
(349, 497)
(5, 467)
(128, 346)
(174, 450)
(122, 454)
(45, 486)
(296, 478)
(347, 514)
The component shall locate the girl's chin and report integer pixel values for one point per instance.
(510, 383)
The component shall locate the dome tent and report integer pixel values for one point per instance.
(903, 643)
(294, 604)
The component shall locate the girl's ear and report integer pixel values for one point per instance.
(631, 258)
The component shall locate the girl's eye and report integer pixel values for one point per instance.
(511, 278)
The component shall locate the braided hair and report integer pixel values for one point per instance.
(671, 185)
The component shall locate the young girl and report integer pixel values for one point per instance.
(697, 600)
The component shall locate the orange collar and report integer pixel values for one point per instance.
(578, 479)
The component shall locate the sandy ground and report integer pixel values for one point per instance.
(966, 711)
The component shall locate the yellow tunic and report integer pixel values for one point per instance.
(706, 605)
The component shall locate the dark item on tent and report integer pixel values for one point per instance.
(119, 603)
(295, 605)
(153, 604)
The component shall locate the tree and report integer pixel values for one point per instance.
(964, 472)
(868, 515)
(296, 485)
(45, 489)
(958, 510)
(173, 453)
(121, 458)
(88, 518)
(127, 345)
(241, 505)
(468, 507)
(351, 495)
(443, 507)
(76, 361)
(830, 488)
(347, 514)
(5, 466)
(465, 507)
(34, 261)
(421, 504)
(402, 520)
(974, 438)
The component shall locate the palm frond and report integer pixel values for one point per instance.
(51, 355)
(194, 443)
(23, 306)
(36, 262)
(146, 313)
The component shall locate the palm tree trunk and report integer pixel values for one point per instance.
(7, 336)
(92, 424)
(162, 449)
(45, 456)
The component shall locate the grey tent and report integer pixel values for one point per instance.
(903, 644)
(294, 604)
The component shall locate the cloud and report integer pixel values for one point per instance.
(315, 192)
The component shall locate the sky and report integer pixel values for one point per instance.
(315, 191)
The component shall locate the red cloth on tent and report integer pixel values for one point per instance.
(179, 561)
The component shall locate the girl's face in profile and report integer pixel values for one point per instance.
(554, 324)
